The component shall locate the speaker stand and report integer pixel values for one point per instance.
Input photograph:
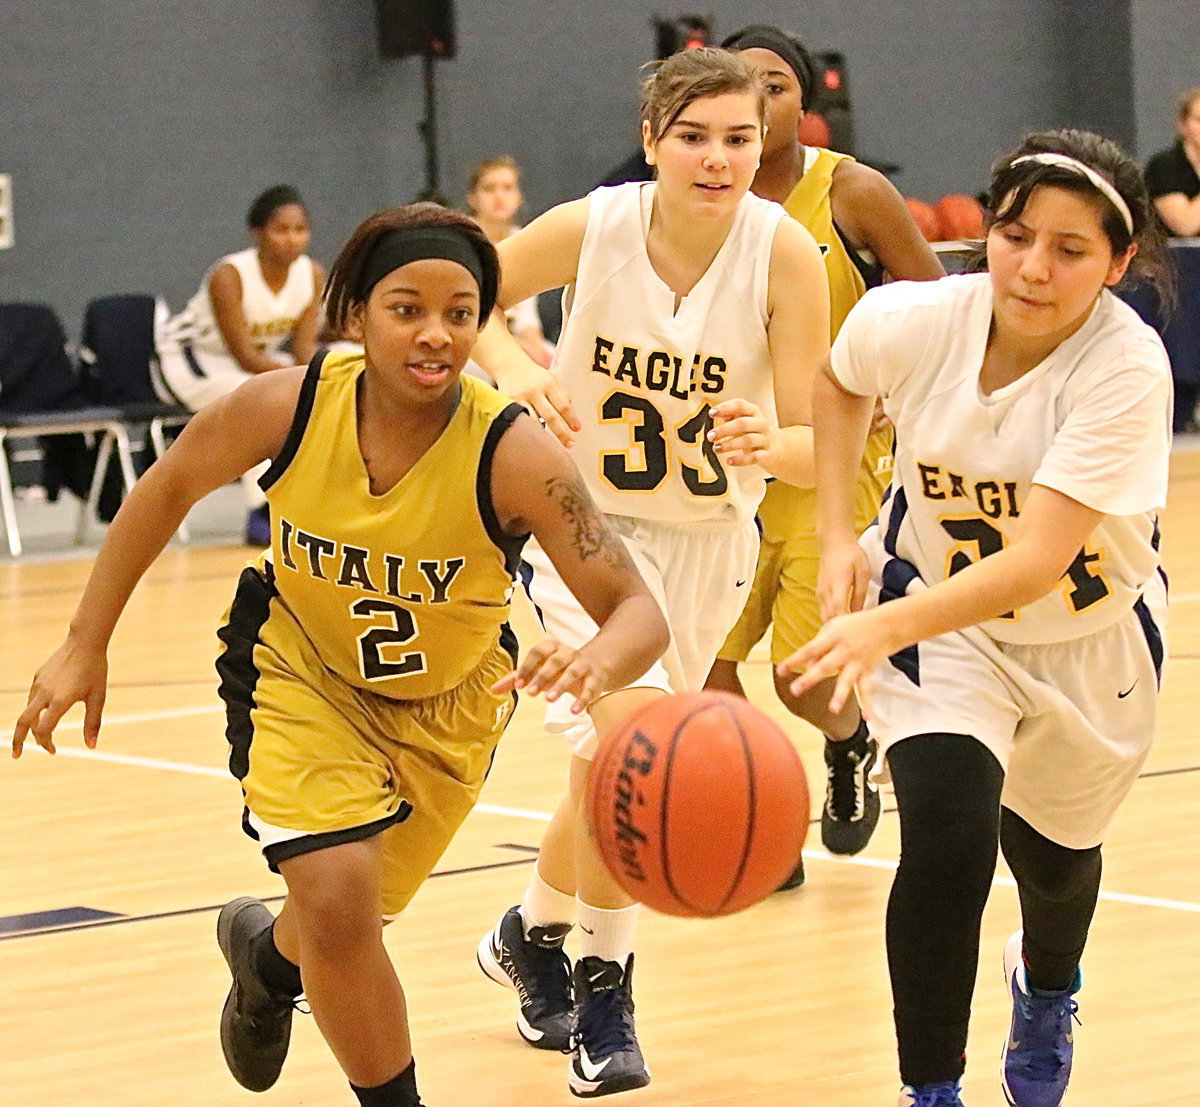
(428, 129)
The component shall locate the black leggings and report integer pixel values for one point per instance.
(951, 824)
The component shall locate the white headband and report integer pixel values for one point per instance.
(1103, 186)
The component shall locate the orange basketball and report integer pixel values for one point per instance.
(813, 130)
(960, 216)
(925, 218)
(699, 804)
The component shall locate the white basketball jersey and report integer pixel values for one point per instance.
(642, 376)
(1091, 421)
(271, 316)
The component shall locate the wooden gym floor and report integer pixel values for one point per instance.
(116, 862)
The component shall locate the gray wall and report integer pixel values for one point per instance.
(137, 131)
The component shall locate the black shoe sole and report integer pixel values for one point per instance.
(617, 1084)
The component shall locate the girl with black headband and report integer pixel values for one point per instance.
(864, 229)
(367, 665)
(1003, 620)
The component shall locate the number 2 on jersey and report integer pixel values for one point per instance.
(651, 440)
(371, 643)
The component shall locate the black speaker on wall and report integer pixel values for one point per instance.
(415, 27)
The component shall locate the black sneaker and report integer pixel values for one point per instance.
(605, 1055)
(795, 878)
(256, 1022)
(538, 971)
(851, 800)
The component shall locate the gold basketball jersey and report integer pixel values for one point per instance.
(808, 203)
(405, 592)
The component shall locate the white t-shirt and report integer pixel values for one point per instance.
(1091, 421)
(642, 375)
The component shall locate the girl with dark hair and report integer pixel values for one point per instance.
(367, 665)
(256, 310)
(696, 317)
(1010, 645)
(864, 229)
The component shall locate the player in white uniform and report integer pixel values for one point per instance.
(681, 380)
(250, 305)
(1011, 642)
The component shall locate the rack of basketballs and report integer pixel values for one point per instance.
(952, 219)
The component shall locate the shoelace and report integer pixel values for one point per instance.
(266, 1016)
(606, 1023)
(1048, 1020)
(845, 799)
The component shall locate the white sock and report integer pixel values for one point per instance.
(607, 934)
(545, 905)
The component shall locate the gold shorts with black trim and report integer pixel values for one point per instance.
(323, 762)
(784, 592)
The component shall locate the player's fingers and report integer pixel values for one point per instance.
(553, 421)
(571, 680)
(549, 671)
(586, 694)
(862, 690)
(520, 677)
(507, 683)
(93, 710)
(49, 718)
(731, 409)
(20, 733)
(557, 395)
(842, 689)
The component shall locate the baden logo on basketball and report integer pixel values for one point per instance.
(629, 803)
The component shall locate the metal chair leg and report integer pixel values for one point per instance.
(88, 511)
(7, 503)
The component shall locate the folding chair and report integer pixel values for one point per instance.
(40, 395)
(117, 354)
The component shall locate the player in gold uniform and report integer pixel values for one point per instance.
(368, 669)
(850, 209)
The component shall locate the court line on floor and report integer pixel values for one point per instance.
(522, 813)
(1008, 882)
(183, 912)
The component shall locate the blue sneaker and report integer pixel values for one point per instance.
(944, 1094)
(1036, 1063)
(258, 527)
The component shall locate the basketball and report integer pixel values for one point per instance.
(960, 216)
(698, 803)
(925, 218)
(813, 130)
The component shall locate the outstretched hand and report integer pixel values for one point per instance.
(543, 395)
(553, 669)
(848, 647)
(740, 433)
(73, 674)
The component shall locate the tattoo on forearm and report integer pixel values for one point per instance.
(592, 536)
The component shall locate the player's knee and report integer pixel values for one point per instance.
(1054, 873)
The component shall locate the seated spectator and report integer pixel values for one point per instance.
(493, 201)
(256, 310)
(1173, 175)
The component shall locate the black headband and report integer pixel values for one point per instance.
(405, 244)
(765, 37)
